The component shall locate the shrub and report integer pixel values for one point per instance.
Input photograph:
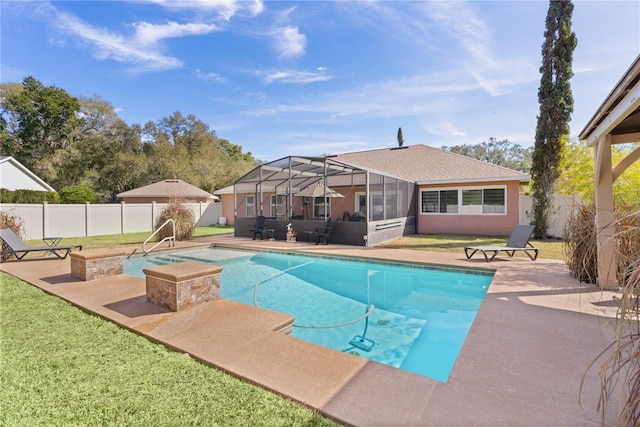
(28, 196)
(77, 194)
(183, 217)
(580, 246)
(12, 221)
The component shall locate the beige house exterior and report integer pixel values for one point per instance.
(433, 169)
(165, 191)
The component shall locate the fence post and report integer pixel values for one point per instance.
(153, 214)
(87, 220)
(122, 217)
(45, 219)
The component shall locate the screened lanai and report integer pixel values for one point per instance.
(366, 206)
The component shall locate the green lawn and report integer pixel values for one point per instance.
(94, 242)
(550, 249)
(63, 367)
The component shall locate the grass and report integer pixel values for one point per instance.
(549, 249)
(63, 366)
(113, 240)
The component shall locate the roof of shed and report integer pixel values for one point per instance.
(167, 188)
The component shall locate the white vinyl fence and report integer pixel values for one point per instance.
(562, 208)
(47, 220)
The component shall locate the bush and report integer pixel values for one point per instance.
(183, 218)
(77, 194)
(28, 196)
(12, 221)
(580, 246)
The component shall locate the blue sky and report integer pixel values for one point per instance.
(319, 77)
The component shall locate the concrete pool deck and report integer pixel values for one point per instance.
(522, 363)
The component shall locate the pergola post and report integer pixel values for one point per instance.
(605, 215)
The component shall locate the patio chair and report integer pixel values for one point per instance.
(258, 228)
(19, 249)
(519, 241)
(322, 233)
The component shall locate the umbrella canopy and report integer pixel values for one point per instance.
(317, 190)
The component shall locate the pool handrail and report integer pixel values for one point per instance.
(370, 307)
(171, 239)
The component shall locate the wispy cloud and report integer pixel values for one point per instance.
(210, 77)
(293, 76)
(225, 9)
(142, 49)
(149, 34)
(117, 47)
(288, 41)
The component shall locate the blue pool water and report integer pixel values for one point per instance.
(418, 317)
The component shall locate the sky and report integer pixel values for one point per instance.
(308, 78)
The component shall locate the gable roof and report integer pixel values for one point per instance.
(167, 188)
(428, 165)
(15, 176)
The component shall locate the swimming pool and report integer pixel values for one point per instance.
(407, 316)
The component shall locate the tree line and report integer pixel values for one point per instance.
(78, 141)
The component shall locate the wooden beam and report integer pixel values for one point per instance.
(629, 104)
(625, 163)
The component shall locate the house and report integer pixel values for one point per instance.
(165, 191)
(15, 176)
(378, 195)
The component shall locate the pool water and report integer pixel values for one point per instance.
(418, 317)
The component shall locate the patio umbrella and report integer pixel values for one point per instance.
(317, 190)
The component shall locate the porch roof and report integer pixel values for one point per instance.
(294, 173)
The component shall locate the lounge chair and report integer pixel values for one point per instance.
(322, 233)
(519, 241)
(19, 249)
(258, 228)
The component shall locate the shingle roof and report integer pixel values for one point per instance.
(424, 164)
(167, 188)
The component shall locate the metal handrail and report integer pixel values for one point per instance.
(171, 239)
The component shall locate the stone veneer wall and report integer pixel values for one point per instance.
(96, 264)
(183, 285)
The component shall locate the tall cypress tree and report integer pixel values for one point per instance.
(400, 137)
(556, 106)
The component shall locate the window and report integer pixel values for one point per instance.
(318, 207)
(473, 201)
(278, 205)
(251, 206)
(443, 201)
(493, 201)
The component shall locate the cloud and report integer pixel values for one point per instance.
(142, 49)
(148, 34)
(288, 41)
(292, 76)
(225, 9)
(210, 77)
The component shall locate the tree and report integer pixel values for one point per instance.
(577, 173)
(400, 138)
(502, 153)
(45, 119)
(556, 106)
